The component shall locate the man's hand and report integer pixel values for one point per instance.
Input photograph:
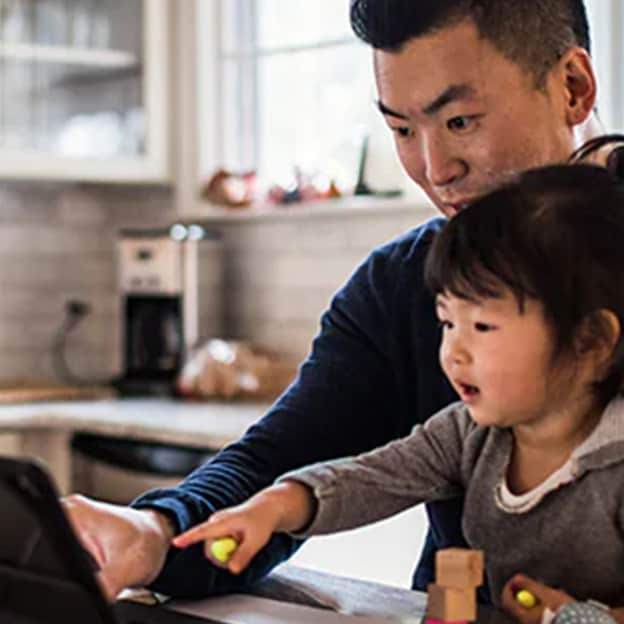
(546, 597)
(128, 545)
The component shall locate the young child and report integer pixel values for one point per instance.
(529, 287)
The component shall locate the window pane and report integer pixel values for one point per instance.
(235, 16)
(301, 22)
(238, 151)
(313, 110)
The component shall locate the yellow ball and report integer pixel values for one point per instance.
(222, 549)
(526, 599)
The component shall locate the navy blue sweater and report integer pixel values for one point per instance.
(372, 374)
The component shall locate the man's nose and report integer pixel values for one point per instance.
(442, 166)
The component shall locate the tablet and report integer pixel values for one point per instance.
(46, 577)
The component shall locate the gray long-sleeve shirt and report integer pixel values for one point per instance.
(573, 538)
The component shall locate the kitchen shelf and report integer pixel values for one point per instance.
(85, 57)
(348, 207)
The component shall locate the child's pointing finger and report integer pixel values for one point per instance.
(201, 532)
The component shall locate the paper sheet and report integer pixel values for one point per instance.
(244, 609)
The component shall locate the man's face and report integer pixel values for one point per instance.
(465, 118)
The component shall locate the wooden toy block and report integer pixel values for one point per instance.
(450, 604)
(459, 567)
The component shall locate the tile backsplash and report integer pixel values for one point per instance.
(280, 275)
(57, 243)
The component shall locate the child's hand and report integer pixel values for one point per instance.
(545, 598)
(250, 525)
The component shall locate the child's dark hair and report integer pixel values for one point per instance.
(554, 234)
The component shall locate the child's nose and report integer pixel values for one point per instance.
(454, 351)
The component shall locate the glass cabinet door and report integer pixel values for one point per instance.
(83, 89)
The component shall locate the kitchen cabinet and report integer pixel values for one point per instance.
(84, 90)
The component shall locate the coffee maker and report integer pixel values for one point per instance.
(163, 303)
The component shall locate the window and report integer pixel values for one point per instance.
(607, 23)
(297, 89)
(294, 88)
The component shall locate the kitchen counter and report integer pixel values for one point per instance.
(45, 429)
(211, 424)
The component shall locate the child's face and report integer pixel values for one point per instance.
(499, 359)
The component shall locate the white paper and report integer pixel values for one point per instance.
(243, 609)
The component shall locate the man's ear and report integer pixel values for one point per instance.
(579, 82)
(596, 340)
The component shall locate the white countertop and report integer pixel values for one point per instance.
(212, 424)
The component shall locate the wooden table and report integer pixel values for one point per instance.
(373, 601)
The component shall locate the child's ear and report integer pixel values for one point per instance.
(596, 339)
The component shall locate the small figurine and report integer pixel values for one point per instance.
(233, 190)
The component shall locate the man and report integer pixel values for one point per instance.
(474, 91)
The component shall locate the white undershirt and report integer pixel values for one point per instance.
(512, 503)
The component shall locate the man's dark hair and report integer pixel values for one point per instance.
(555, 236)
(532, 33)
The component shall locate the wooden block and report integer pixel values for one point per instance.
(450, 604)
(459, 567)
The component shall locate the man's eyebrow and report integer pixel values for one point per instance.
(384, 110)
(453, 93)
(450, 94)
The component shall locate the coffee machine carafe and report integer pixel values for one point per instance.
(159, 291)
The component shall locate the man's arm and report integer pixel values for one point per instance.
(371, 375)
(341, 404)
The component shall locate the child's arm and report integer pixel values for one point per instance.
(344, 493)
(285, 507)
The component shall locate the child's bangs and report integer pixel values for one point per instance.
(457, 266)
